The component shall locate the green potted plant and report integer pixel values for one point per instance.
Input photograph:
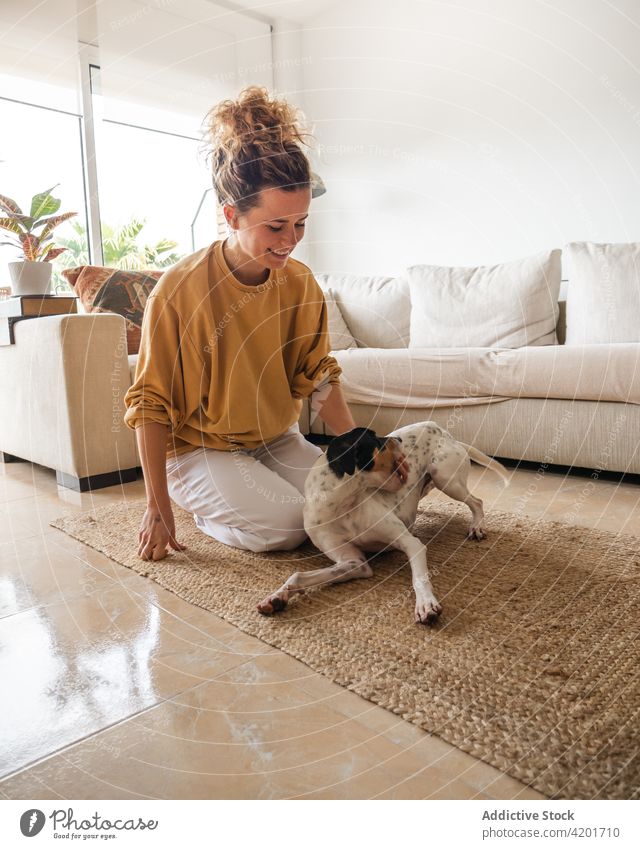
(32, 234)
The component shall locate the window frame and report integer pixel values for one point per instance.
(88, 60)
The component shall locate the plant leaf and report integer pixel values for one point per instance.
(30, 246)
(130, 231)
(51, 253)
(11, 225)
(10, 206)
(25, 221)
(53, 222)
(162, 246)
(44, 203)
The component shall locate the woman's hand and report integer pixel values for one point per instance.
(157, 532)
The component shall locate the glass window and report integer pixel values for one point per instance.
(40, 148)
(151, 183)
(161, 69)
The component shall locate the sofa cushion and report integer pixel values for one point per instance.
(603, 298)
(377, 310)
(508, 305)
(446, 377)
(339, 334)
(115, 290)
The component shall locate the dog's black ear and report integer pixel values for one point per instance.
(359, 433)
(341, 456)
(351, 450)
(364, 453)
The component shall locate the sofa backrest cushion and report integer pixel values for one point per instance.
(603, 296)
(102, 289)
(507, 306)
(377, 310)
(339, 334)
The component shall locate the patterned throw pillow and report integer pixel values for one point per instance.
(115, 290)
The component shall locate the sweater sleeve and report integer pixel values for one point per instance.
(315, 366)
(158, 391)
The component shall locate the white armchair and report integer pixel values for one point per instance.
(62, 386)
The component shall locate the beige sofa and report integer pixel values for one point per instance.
(566, 405)
(63, 385)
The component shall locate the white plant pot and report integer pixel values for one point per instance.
(30, 278)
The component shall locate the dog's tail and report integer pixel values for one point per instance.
(482, 460)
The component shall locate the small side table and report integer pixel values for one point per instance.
(55, 305)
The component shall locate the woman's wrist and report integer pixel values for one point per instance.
(156, 503)
(333, 410)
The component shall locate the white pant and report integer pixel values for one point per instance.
(249, 499)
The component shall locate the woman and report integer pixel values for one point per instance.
(234, 336)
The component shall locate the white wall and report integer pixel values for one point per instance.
(471, 131)
(289, 62)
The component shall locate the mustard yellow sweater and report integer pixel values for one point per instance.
(224, 364)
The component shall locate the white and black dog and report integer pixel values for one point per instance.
(356, 501)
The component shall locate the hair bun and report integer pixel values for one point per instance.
(254, 142)
(255, 118)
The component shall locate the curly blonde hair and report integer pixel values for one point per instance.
(254, 143)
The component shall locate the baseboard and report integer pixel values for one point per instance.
(578, 471)
(92, 482)
(10, 458)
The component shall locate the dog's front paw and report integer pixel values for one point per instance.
(477, 532)
(427, 612)
(273, 603)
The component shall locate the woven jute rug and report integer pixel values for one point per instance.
(533, 666)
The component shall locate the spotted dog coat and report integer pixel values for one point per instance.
(356, 502)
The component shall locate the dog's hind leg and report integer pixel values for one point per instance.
(455, 486)
(350, 564)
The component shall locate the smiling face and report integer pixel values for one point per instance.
(264, 236)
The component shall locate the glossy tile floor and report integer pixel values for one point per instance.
(112, 687)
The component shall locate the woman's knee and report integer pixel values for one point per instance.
(267, 540)
(283, 541)
(282, 532)
(286, 529)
